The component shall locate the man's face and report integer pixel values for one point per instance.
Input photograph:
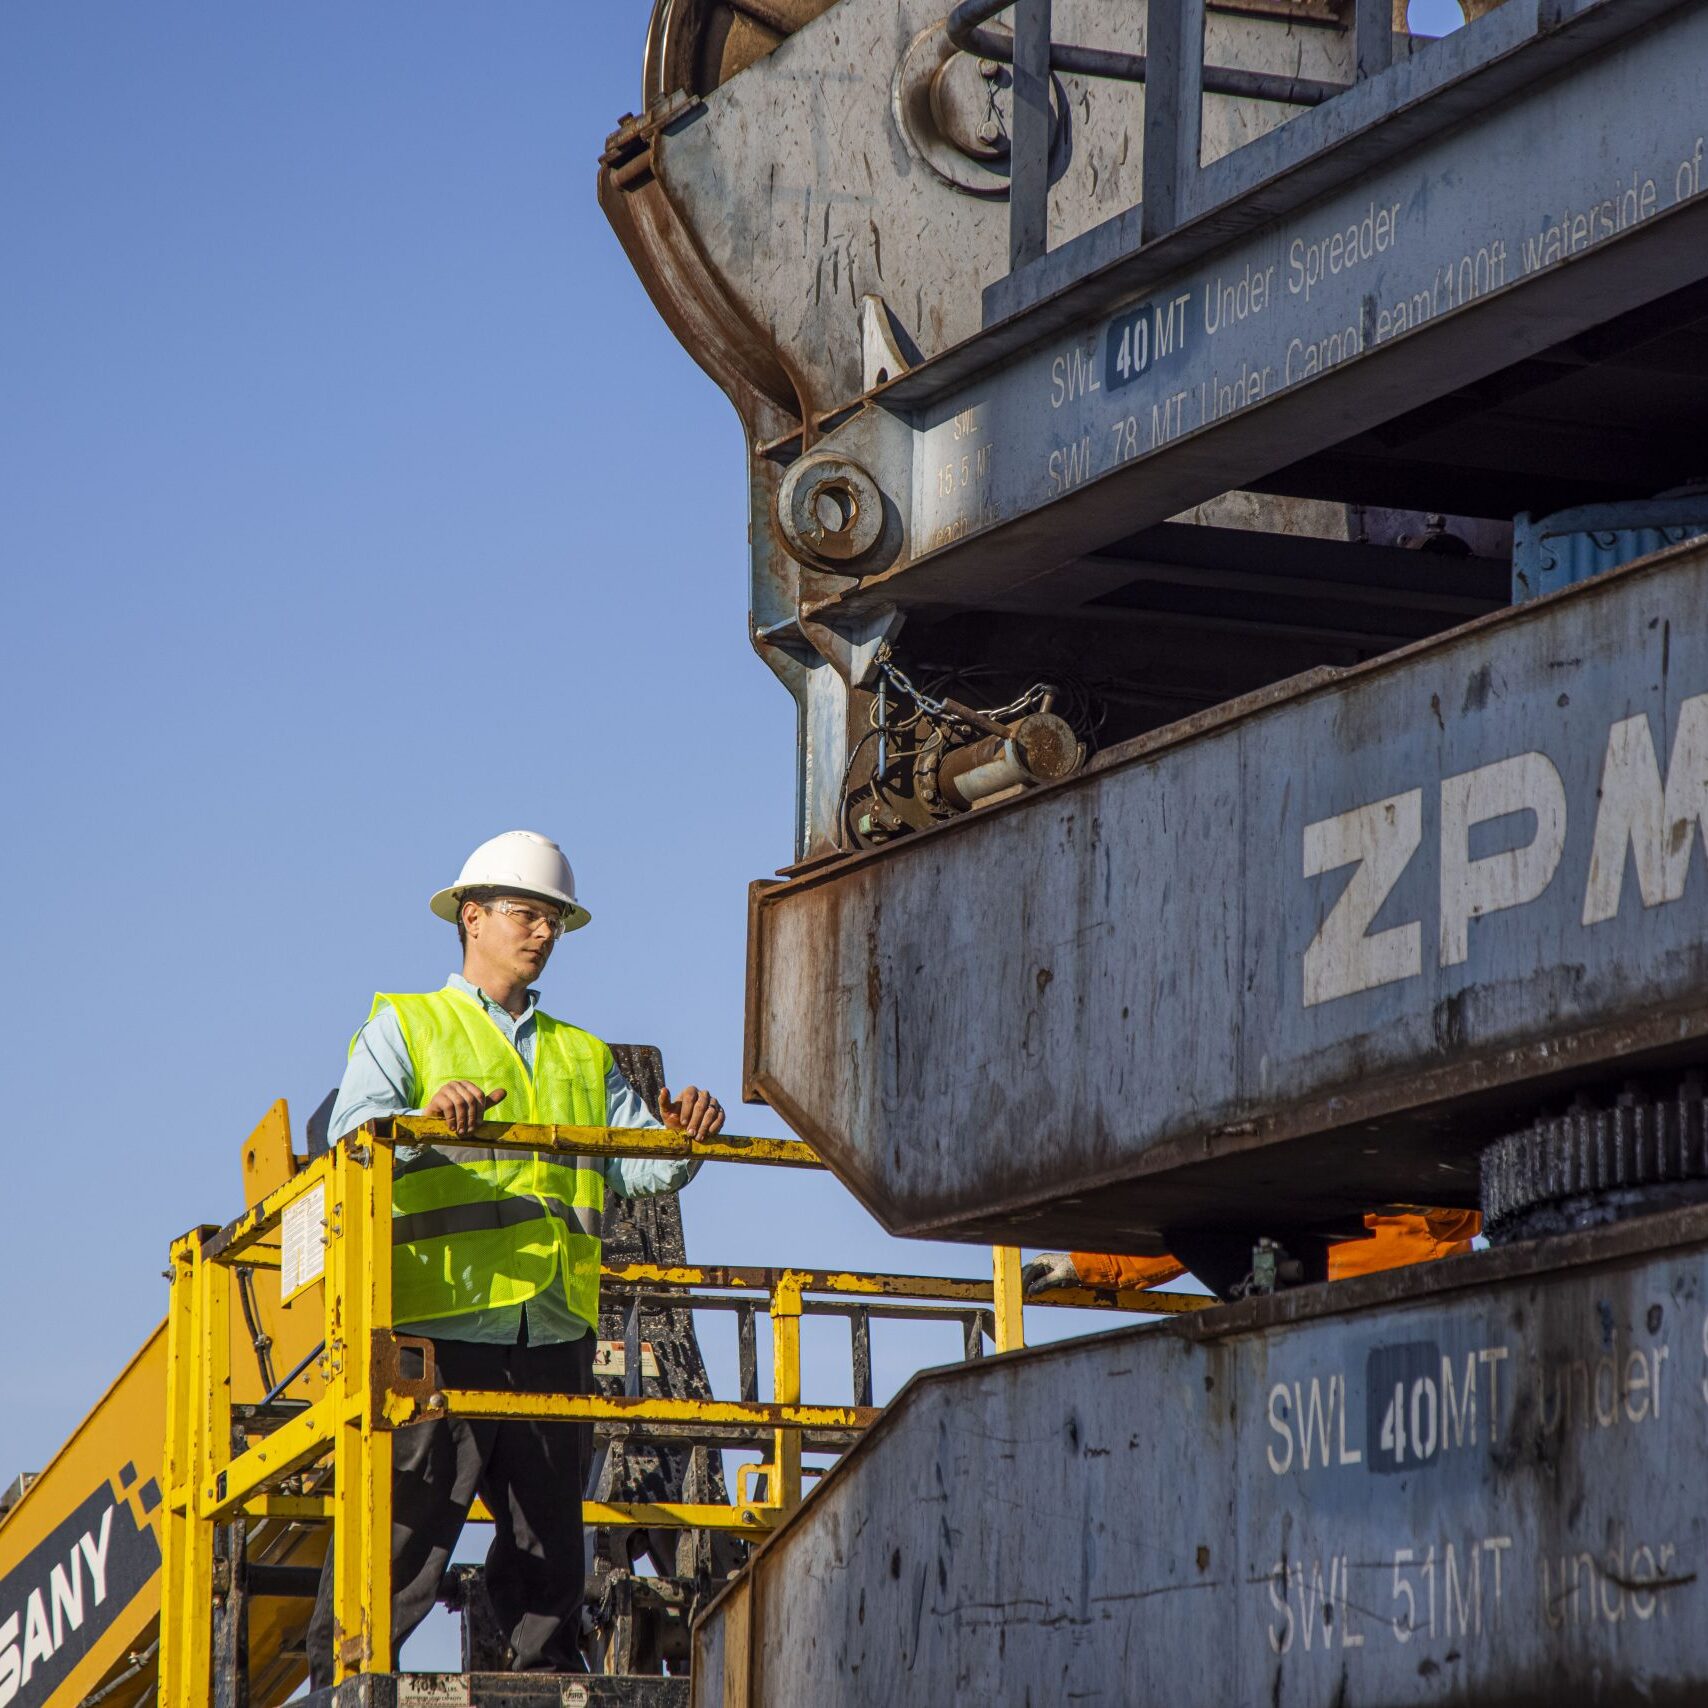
(514, 934)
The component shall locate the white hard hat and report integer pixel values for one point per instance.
(521, 861)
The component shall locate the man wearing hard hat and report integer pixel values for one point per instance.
(495, 1255)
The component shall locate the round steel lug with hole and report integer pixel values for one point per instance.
(830, 510)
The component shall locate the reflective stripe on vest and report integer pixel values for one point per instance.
(476, 1229)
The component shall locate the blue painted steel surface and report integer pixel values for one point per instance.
(1309, 956)
(1551, 552)
(1473, 1482)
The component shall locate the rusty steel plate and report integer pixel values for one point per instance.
(1472, 1482)
(1297, 958)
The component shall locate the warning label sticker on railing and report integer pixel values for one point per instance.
(302, 1257)
(610, 1358)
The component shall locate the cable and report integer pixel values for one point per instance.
(261, 1341)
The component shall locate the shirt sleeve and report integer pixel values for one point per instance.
(635, 1176)
(379, 1078)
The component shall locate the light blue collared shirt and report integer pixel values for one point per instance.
(379, 1080)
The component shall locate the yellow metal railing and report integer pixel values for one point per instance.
(332, 1461)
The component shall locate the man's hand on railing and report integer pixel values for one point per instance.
(462, 1105)
(696, 1113)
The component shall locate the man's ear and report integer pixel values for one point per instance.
(470, 914)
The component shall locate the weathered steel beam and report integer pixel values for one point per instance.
(1477, 1481)
(1300, 955)
(1288, 326)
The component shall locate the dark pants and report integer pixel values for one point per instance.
(529, 1474)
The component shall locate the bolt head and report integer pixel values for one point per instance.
(989, 69)
(989, 132)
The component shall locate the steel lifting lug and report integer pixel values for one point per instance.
(830, 511)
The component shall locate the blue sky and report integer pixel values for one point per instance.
(357, 505)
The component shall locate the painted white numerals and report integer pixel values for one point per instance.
(1419, 1406)
(1343, 956)
(1455, 1590)
(1125, 434)
(1450, 1588)
(963, 471)
(1133, 351)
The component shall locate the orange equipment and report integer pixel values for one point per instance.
(1396, 1238)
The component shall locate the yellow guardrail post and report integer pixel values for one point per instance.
(358, 1320)
(375, 1185)
(786, 1384)
(215, 1285)
(214, 1377)
(186, 1543)
(1008, 1296)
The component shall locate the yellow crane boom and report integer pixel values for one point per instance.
(80, 1543)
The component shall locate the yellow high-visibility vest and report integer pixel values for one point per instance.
(475, 1229)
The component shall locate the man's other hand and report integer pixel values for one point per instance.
(696, 1113)
(1048, 1271)
(462, 1105)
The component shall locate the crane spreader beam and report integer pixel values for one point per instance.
(1330, 277)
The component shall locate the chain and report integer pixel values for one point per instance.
(903, 683)
(899, 678)
(1034, 697)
